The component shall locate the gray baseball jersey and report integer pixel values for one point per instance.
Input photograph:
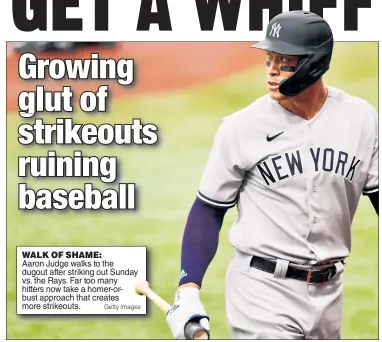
(296, 182)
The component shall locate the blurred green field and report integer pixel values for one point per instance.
(167, 177)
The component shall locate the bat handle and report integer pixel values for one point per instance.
(195, 331)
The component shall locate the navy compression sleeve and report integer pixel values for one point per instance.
(200, 241)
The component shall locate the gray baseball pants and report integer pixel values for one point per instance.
(261, 305)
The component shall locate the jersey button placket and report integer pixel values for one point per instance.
(311, 188)
(311, 143)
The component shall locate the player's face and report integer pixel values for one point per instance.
(275, 74)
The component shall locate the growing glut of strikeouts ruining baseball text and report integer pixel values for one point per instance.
(49, 120)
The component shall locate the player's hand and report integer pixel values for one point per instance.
(187, 306)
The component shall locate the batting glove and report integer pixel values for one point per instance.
(187, 307)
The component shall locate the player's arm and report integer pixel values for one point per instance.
(218, 191)
(371, 187)
(200, 242)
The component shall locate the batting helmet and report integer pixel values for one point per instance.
(303, 34)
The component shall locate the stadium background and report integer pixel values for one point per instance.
(184, 88)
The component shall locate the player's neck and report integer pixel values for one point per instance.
(308, 103)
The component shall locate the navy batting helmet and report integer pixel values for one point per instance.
(304, 34)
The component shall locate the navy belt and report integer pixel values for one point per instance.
(313, 276)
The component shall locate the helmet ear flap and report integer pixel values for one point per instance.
(320, 67)
(295, 84)
(317, 70)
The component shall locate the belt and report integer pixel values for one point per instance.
(313, 276)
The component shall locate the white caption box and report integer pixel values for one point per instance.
(80, 280)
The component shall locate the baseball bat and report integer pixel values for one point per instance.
(192, 330)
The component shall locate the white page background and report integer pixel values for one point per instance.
(123, 16)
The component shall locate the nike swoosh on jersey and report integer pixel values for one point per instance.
(273, 137)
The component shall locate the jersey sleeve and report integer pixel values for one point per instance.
(224, 171)
(371, 184)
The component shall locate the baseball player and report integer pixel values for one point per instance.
(295, 163)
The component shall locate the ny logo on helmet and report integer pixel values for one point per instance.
(275, 31)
